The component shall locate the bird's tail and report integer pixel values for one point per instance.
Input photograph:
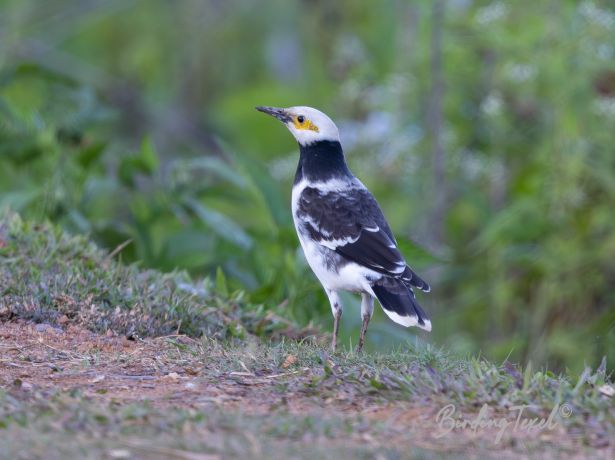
(410, 278)
(398, 302)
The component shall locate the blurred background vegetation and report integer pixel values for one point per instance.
(485, 129)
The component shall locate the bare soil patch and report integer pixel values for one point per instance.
(112, 367)
(115, 368)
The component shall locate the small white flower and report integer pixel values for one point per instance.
(520, 72)
(605, 106)
(492, 12)
(473, 167)
(604, 52)
(597, 15)
(492, 104)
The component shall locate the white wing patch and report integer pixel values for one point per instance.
(334, 244)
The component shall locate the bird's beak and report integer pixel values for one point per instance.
(280, 114)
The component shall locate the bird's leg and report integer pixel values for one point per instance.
(367, 310)
(336, 328)
(336, 309)
(363, 331)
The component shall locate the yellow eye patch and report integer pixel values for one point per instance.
(301, 122)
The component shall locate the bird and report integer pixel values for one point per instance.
(344, 235)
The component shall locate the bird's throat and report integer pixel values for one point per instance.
(321, 161)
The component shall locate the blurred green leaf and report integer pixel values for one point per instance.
(221, 286)
(220, 224)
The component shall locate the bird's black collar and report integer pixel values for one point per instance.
(321, 161)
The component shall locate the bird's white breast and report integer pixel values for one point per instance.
(350, 276)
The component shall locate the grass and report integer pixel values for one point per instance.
(141, 430)
(47, 275)
(217, 377)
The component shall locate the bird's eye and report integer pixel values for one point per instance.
(300, 118)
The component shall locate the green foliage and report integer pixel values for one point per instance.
(132, 128)
(194, 213)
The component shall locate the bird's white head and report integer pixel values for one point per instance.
(307, 124)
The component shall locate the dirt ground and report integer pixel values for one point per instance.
(109, 367)
(112, 368)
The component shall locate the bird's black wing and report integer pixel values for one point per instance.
(351, 223)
